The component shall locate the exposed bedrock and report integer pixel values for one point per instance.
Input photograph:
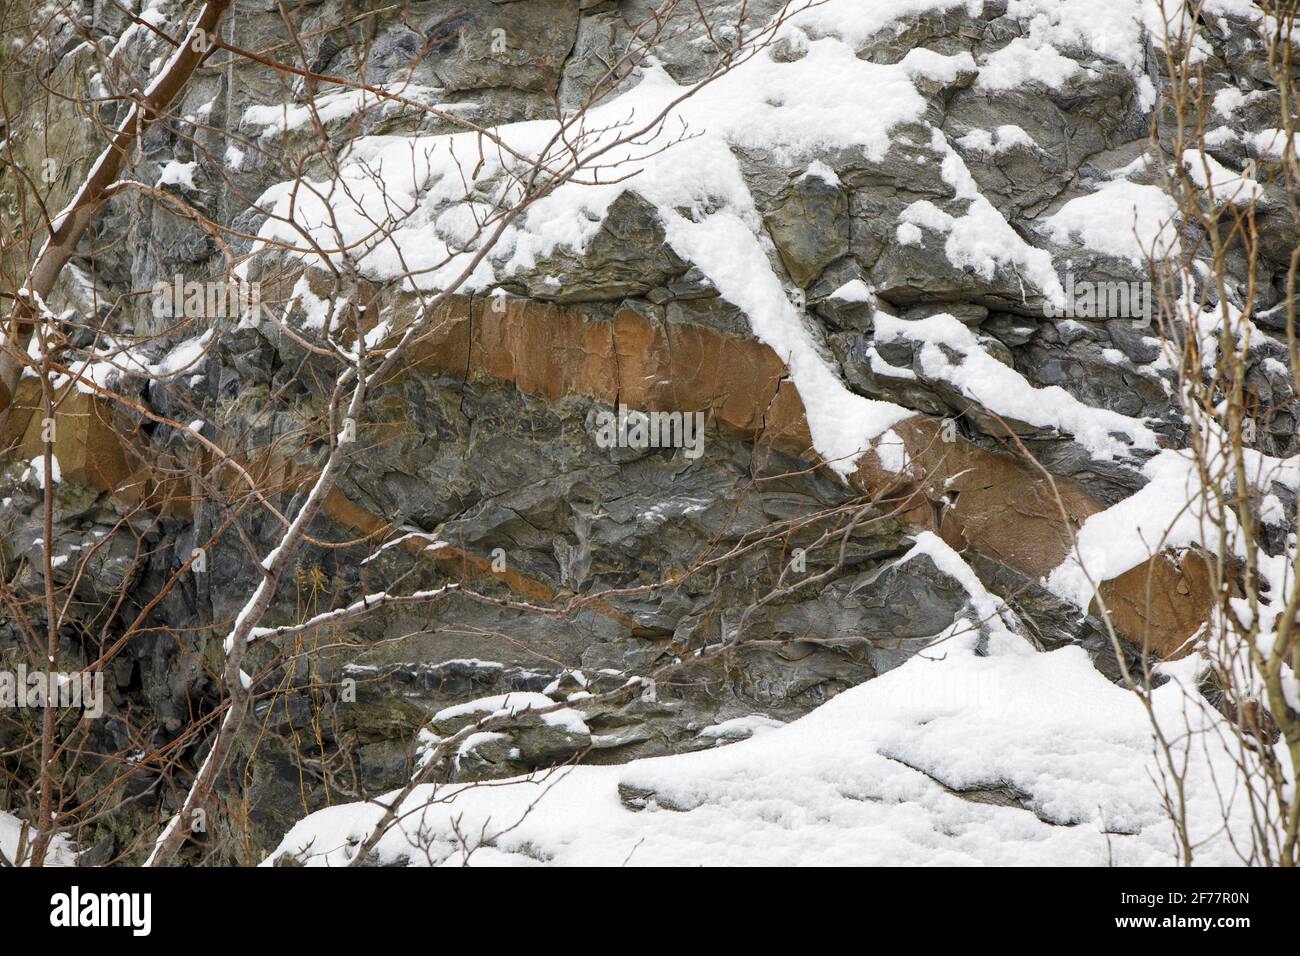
(918, 272)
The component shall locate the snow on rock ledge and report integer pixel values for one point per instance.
(894, 771)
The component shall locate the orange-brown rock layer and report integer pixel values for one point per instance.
(994, 504)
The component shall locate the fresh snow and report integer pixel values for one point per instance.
(868, 777)
(982, 239)
(61, 851)
(1000, 140)
(35, 471)
(795, 110)
(875, 776)
(865, 779)
(1168, 512)
(513, 704)
(273, 120)
(827, 99)
(176, 173)
(1120, 219)
(1025, 60)
(1223, 184)
(1005, 391)
(739, 728)
(855, 290)
(1272, 143)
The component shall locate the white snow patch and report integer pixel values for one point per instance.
(1120, 219)
(1005, 391)
(1003, 138)
(865, 779)
(855, 290)
(513, 704)
(61, 851)
(741, 728)
(179, 174)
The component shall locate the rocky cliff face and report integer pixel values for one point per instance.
(855, 266)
